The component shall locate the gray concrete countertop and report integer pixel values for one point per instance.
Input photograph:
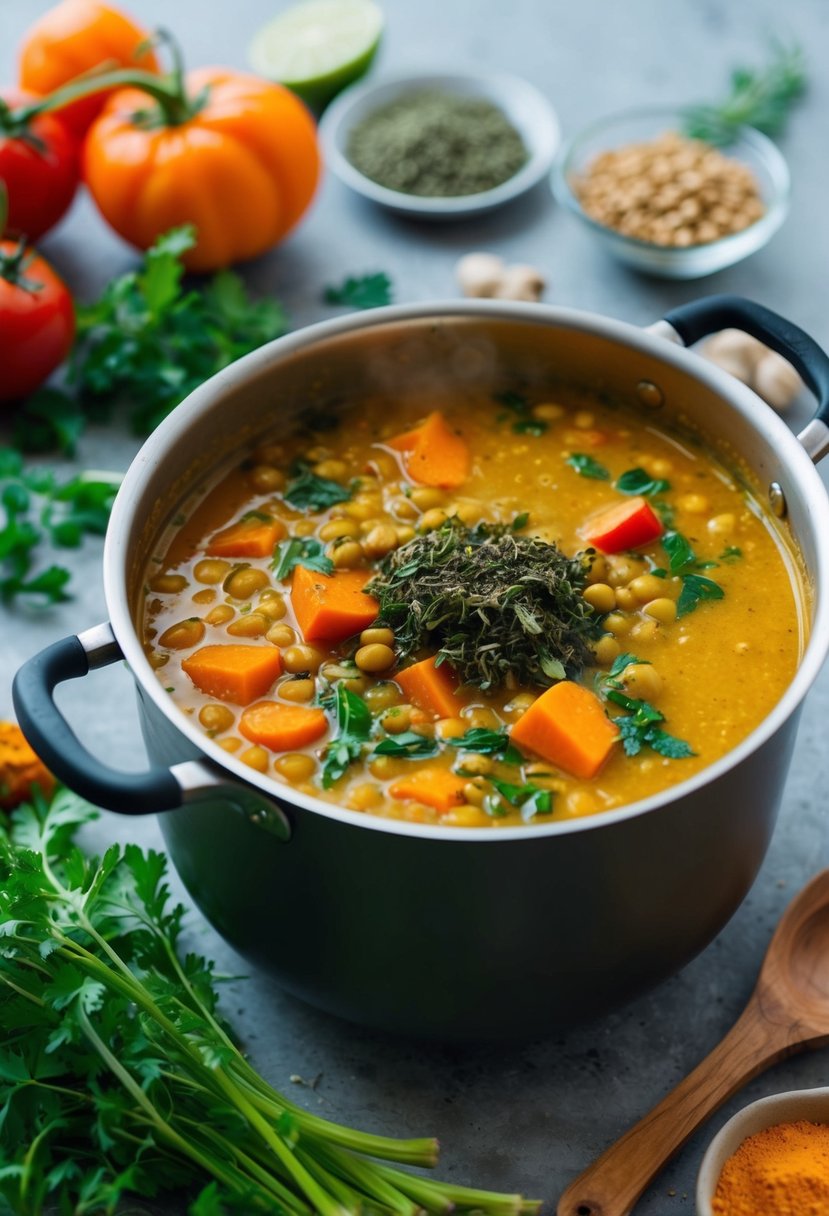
(530, 1116)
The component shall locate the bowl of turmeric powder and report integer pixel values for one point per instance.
(771, 1158)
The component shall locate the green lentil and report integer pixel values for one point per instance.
(437, 145)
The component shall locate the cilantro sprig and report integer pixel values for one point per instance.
(119, 1078)
(639, 482)
(682, 561)
(308, 492)
(586, 466)
(639, 726)
(354, 724)
(300, 551)
(363, 291)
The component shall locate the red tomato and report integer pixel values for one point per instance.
(626, 525)
(39, 164)
(37, 321)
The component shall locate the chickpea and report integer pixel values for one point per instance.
(216, 718)
(580, 802)
(625, 599)
(250, 625)
(271, 605)
(265, 479)
(317, 453)
(383, 696)
(642, 680)
(183, 635)
(301, 690)
(339, 671)
(660, 467)
(467, 817)
(365, 797)
(644, 631)
(220, 615)
(722, 525)
(481, 717)
(403, 509)
(168, 584)
(302, 657)
(331, 470)
(270, 453)
(295, 766)
(469, 513)
(230, 745)
(397, 719)
(426, 497)
(475, 763)
(346, 554)
(519, 704)
(245, 582)
(584, 420)
(157, 661)
(363, 510)
(256, 757)
(281, 635)
(647, 587)
(384, 767)
(600, 596)
(606, 649)
(475, 792)
(211, 570)
(430, 520)
(375, 657)
(358, 684)
(617, 624)
(598, 569)
(380, 540)
(204, 597)
(622, 570)
(548, 411)
(662, 610)
(404, 534)
(337, 528)
(304, 527)
(450, 728)
(694, 504)
(378, 633)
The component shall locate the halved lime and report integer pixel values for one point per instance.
(318, 47)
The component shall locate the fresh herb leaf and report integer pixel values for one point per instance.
(489, 603)
(638, 727)
(586, 466)
(151, 342)
(117, 1066)
(731, 553)
(638, 481)
(305, 551)
(696, 588)
(621, 662)
(407, 745)
(307, 492)
(678, 551)
(759, 97)
(365, 291)
(531, 799)
(525, 424)
(488, 743)
(49, 419)
(354, 724)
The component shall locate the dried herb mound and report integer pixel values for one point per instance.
(501, 608)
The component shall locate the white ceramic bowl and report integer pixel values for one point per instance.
(750, 148)
(527, 109)
(809, 1104)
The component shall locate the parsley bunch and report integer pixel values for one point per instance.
(118, 1076)
(759, 97)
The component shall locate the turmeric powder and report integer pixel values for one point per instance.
(780, 1171)
(20, 768)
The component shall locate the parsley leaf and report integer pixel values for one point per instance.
(525, 424)
(49, 418)
(305, 551)
(531, 799)
(637, 481)
(586, 466)
(731, 553)
(638, 728)
(307, 492)
(678, 550)
(407, 745)
(488, 743)
(365, 291)
(694, 589)
(353, 730)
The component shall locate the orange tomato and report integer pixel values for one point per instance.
(242, 166)
(76, 37)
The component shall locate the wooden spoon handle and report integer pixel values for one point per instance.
(612, 1185)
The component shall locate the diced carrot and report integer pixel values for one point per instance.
(626, 525)
(331, 607)
(567, 725)
(234, 673)
(432, 786)
(435, 454)
(282, 728)
(249, 537)
(431, 688)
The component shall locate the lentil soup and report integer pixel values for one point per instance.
(497, 611)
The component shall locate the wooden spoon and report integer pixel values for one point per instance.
(788, 1011)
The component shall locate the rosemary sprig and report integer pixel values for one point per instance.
(500, 608)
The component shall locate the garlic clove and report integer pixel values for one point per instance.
(520, 283)
(776, 381)
(478, 274)
(735, 352)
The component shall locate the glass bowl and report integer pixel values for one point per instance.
(749, 148)
(525, 107)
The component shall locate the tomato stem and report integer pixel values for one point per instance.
(169, 92)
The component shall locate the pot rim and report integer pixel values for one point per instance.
(177, 426)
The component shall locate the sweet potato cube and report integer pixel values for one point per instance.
(435, 787)
(431, 688)
(331, 607)
(282, 728)
(435, 454)
(568, 726)
(252, 536)
(234, 673)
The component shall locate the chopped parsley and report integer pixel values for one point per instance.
(354, 724)
(307, 492)
(365, 291)
(306, 551)
(586, 466)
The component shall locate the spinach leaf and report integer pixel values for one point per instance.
(529, 798)
(488, 743)
(353, 731)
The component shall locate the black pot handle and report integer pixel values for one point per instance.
(57, 745)
(713, 313)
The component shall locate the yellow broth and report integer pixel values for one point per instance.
(714, 673)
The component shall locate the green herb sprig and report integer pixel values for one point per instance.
(682, 561)
(305, 551)
(525, 423)
(639, 727)
(365, 291)
(354, 725)
(308, 492)
(586, 466)
(488, 602)
(488, 743)
(119, 1078)
(529, 798)
(638, 481)
(759, 97)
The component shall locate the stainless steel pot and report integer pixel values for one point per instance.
(427, 930)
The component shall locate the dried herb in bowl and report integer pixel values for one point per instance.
(503, 609)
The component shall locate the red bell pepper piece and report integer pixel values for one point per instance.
(625, 526)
